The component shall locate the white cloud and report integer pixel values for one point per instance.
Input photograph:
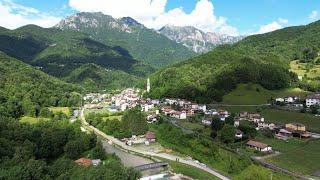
(14, 15)
(313, 15)
(275, 25)
(152, 13)
(283, 21)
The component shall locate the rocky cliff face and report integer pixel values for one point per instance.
(195, 39)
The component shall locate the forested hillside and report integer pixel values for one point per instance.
(144, 44)
(25, 90)
(93, 77)
(208, 77)
(47, 149)
(59, 53)
(263, 59)
(290, 43)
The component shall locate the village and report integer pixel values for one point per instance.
(181, 109)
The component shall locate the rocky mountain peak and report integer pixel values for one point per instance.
(195, 39)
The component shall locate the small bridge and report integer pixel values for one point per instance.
(151, 166)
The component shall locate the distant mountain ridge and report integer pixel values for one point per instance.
(61, 53)
(197, 40)
(142, 43)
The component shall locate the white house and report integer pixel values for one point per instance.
(202, 107)
(146, 107)
(124, 106)
(194, 106)
(289, 99)
(206, 122)
(313, 100)
(152, 118)
(238, 134)
(259, 146)
(263, 125)
(211, 112)
(279, 100)
(236, 123)
(183, 115)
(171, 101)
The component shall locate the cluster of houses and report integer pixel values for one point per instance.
(222, 114)
(181, 109)
(283, 133)
(313, 100)
(95, 97)
(288, 99)
(310, 100)
(293, 130)
(127, 99)
(256, 118)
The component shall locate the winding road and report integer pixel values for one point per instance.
(129, 149)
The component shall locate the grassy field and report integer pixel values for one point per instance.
(189, 125)
(281, 145)
(304, 159)
(254, 172)
(64, 110)
(282, 117)
(256, 94)
(32, 120)
(307, 70)
(102, 111)
(189, 170)
(113, 118)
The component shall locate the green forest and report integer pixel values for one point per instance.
(208, 77)
(46, 149)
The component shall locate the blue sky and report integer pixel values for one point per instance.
(234, 17)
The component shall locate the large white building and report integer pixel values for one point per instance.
(313, 100)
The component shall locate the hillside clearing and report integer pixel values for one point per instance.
(256, 94)
(32, 120)
(64, 110)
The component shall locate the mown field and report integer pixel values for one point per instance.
(303, 158)
(255, 94)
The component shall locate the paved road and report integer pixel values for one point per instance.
(129, 160)
(123, 146)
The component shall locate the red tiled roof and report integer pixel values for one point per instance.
(84, 162)
(150, 135)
